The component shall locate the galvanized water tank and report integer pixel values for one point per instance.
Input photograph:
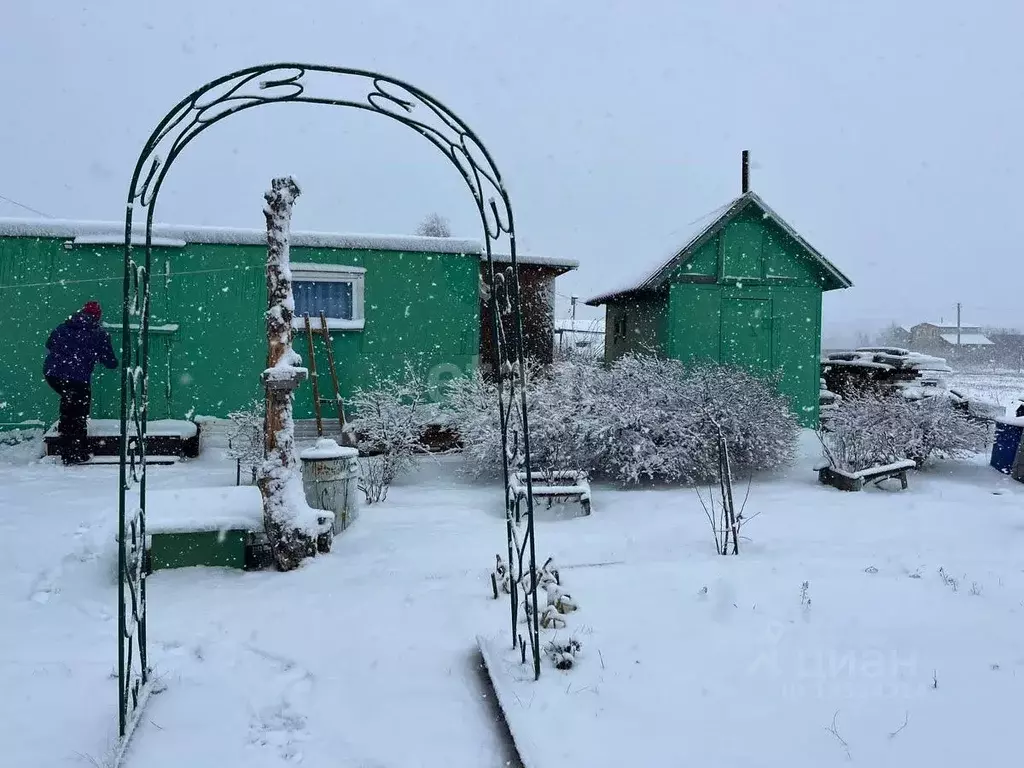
(330, 480)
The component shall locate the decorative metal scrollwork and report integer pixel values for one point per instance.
(203, 108)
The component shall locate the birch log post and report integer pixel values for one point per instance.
(294, 530)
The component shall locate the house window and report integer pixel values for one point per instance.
(333, 289)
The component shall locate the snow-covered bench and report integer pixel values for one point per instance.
(561, 486)
(854, 481)
(167, 440)
(203, 526)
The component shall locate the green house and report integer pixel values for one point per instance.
(391, 301)
(745, 290)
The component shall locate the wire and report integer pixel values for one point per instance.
(173, 275)
(26, 207)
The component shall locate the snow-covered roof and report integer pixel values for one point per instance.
(177, 236)
(702, 232)
(106, 232)
(534, 260)
(967, 339)
(952, 326)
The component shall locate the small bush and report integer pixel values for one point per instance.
(875, 428)
(246, 441)
(389, 424)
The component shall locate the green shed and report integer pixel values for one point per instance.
(391, 300)
(745, 290)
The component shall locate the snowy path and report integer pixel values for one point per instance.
(364, 658)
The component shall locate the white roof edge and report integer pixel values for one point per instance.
(97, 230)
(172, 235)
(137, 239)
(533, 259)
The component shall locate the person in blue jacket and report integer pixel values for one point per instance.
(74, 348)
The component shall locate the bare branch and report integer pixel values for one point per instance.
(834, 730)
(906, 719)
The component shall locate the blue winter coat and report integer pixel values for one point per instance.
(75, 346)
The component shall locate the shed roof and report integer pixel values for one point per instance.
(177, 236)
(655, 280)
(966, 339)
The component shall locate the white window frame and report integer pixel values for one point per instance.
(333, 273)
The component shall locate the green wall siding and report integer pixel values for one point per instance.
(703, 261)
(420, 308)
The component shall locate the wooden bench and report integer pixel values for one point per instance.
(854, 481)
(560, 486)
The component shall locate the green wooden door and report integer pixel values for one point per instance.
(746, 339)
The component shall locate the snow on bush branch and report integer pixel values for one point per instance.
(644, 418)
(390, 419)
(875, 428)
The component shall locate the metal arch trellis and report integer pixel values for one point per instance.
(309, 84)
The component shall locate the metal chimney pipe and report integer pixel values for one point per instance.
(746, 171)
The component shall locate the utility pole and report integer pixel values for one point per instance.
(574, 299)
(958, 325)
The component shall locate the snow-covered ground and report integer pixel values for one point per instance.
(367, 657)
(912, 612)
(363, 658)
(996, 386)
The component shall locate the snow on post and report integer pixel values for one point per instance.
(294, 529)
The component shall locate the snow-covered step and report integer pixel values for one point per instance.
(164, 437)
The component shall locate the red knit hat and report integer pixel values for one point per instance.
(93, 310)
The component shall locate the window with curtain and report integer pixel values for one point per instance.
(333, 298)
(334, 289)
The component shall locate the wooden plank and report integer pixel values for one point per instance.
(313, 378)
(334, 373)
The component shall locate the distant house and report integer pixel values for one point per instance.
(947, 336)
(390, 301)
(744, 290)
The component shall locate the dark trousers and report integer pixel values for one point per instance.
(75, 400)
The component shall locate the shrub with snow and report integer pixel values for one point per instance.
(245, 436)
(389, 423)
(875, 428)
(644, 418)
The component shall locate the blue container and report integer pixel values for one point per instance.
(1005, 447)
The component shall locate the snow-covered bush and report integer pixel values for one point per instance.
(940, 430)
(875, 428)
(245, 436)
(389, 424)
(472, 410)
(644, 418)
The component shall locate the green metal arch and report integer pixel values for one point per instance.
(206, 106)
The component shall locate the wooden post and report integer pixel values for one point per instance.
(278, 212)
(290, 544)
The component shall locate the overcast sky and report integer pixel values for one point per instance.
(888, 133)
